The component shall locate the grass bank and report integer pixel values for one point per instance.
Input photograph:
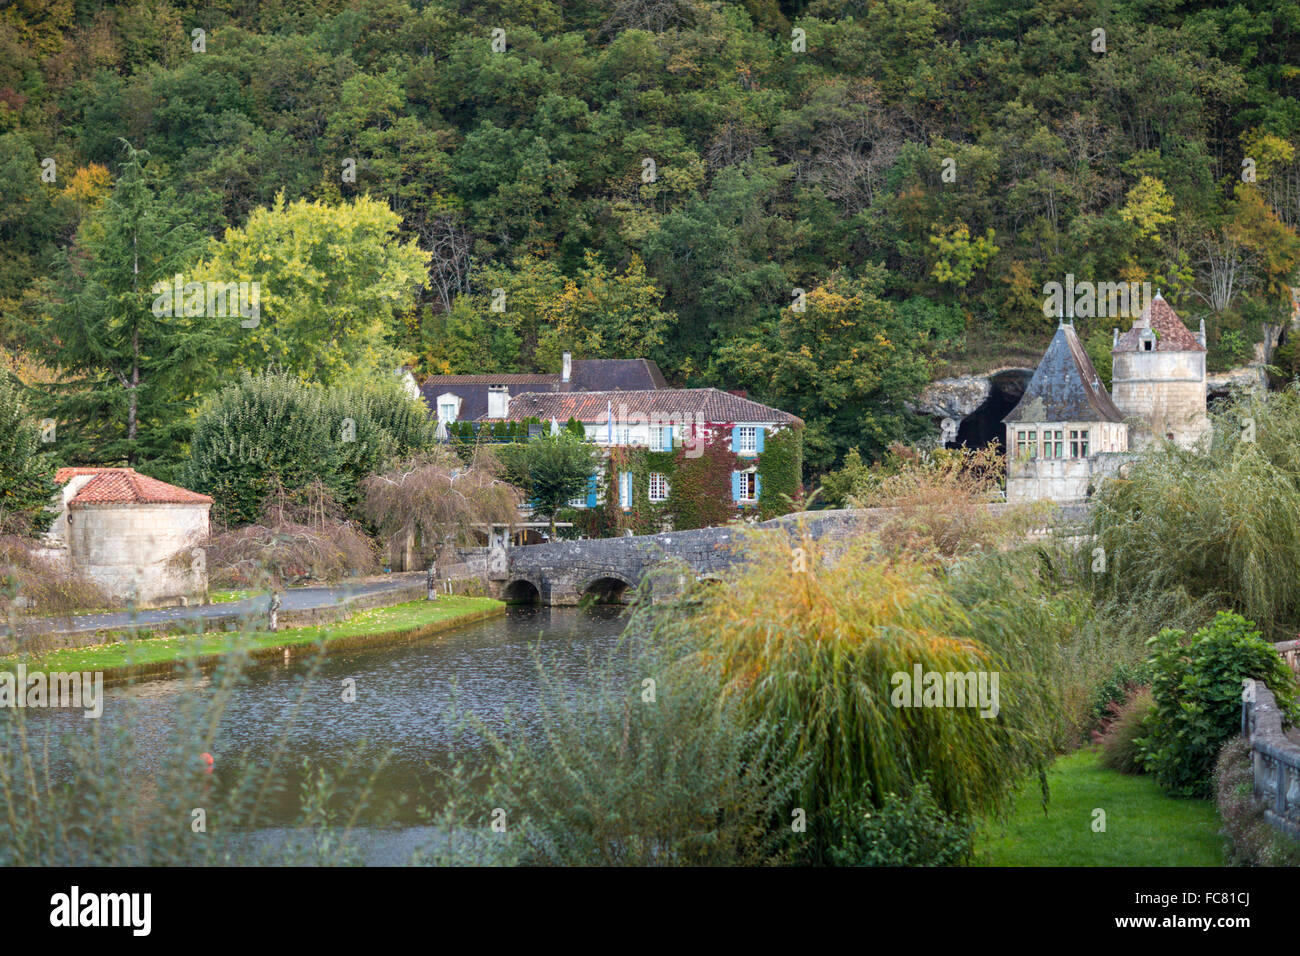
(378, 627)
(1143, 826)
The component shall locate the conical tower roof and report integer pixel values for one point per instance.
(1171, 334)
(1065, 386)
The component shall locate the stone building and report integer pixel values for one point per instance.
(1065, 433)
(1158, 381)
(120, 528)
(662, 420)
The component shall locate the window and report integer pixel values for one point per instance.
(1026, 443)
(498, 401)
(625, 489)
(661, 437)
(1078, 443)
(658, 487)
(1053, 444)
(447, 411)
(748, 487)
(624, 435)
(747, 440)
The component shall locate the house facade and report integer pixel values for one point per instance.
(648, 435)
(1066, 433)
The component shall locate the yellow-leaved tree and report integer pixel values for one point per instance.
(331, 279)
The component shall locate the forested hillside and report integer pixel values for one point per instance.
(822, 202)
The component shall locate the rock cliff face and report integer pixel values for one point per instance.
(974, 405)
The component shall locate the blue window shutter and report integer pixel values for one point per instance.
(735, 440)
(735, 486)
(592, 488)
(759, 431)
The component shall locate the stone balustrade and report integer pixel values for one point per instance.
(1275, 758)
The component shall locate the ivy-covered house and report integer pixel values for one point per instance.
(677, 457)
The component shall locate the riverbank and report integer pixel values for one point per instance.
(163, 656)
(1143, 826)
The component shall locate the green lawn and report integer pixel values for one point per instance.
(1144, 827)
(409, 618)
(226, 597)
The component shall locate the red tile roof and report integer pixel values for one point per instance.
(1171, 334)
(126, 486)
(706, 404)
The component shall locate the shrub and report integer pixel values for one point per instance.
(303, 537)
(1116, 691)
(32, 582)
(26, 476)
(905, 831)
(939, 500)
(1196, 686)
(1120, 749)
(1249, 840)
(1223, 527)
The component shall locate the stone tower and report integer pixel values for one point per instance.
(1158, 379)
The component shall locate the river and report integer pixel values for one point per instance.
(403, 708)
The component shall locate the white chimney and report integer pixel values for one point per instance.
(566, 367)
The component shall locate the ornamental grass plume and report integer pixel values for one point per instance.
(823, 648)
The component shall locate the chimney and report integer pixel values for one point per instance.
(1200, 336)
(1114, 340)
(566, 368)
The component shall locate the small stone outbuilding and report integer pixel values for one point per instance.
(120, 528)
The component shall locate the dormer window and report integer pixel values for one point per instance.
(498, 401)
(1147, 345)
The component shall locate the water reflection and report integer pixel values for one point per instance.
(403, 704)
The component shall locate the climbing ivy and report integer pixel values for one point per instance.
(780, 471)
(699, 487)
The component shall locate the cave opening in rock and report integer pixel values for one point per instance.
(983, 427)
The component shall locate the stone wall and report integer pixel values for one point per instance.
(1165, 391)
(125, 549)
(1275, 758)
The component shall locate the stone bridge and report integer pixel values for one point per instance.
(607, 569)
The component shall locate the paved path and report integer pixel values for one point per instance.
(292, 599)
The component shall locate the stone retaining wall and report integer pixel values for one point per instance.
(1275, 758)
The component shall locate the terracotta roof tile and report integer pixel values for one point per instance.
(1171, 334)
(126, 486)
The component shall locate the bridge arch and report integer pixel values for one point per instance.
(521, 591)
(607, 587)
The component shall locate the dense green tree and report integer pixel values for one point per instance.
(26, 472)
(132, 370)
(550, 471)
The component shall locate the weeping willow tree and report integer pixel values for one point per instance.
(820, 647)
(1219, 527)
(437, 500)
